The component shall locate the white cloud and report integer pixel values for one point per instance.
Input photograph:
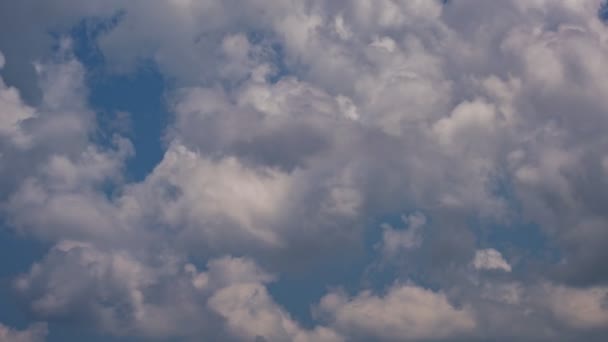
(251, 313)
(405, 312)
(158, 296)
(215, 203)
(295, 125)
(490, 259)
(49, 165)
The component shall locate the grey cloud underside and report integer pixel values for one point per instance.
(296, 127)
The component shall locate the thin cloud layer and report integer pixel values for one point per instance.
(381, 153)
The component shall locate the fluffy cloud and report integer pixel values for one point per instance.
(217, 202)
(251, 314)
(53, 185)
(490, 259)
(405, 312)
(295, 127)
(159, 296)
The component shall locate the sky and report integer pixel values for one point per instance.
(309, 171)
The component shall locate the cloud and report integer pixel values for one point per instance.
(490, 259)
(580, 308)
(396, 241)
(251, 314)
(405, 312)
(38, 43)
(158, 296)
(34, 333)
(215, 202)
(54, 167)
(14, 111)
(540, 311)
(59, 125)
(294, 127)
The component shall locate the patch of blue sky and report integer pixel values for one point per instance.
(366, 271)
(515, 233)
(410, 265)
(297, 292)
(129, 104)
(17, 253)
(279, 63)
(603, 12)
(277, 56)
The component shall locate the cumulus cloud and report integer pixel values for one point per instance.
(251, 314)
(125, 294)
(405, 312)
(52, 186)
(295, 126)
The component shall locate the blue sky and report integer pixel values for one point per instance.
(178, 170)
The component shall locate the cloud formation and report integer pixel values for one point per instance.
(406, 313)
(299, 131)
